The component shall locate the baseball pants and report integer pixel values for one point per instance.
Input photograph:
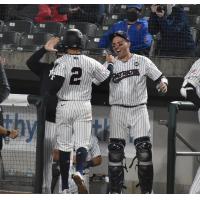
(73, 118)
(123, 119)
(195, 188)
(49, 143)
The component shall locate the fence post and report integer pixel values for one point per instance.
(171, 147)
(39, 102)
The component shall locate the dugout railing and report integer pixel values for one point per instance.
(174, 107)
(21, 162)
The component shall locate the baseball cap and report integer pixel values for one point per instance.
(137, 6)
(121, 34)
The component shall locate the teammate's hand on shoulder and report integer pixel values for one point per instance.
(51, 43)
(110, 58)
(14, 133)
(162, 87)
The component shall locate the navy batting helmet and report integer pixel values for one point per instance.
(73, 39)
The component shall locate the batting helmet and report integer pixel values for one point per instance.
(73, 39)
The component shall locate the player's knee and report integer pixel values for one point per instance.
(56, 154)
(145, 165)
(81, 154)
(143, 149)
(116, 150)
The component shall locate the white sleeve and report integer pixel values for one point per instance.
(151, 70)
(94, 80)
(94, 147)
(100, 73)
(193, 76)
(58, 69)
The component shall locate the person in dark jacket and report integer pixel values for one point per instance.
(137, 29)
(42, 71)
(175, 35)
(4, 92)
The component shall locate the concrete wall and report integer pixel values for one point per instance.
(169, 66)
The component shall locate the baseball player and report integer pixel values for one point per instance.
(191, 91)
(128, 99)
(72, 77)
(93, 159)
(42, 70)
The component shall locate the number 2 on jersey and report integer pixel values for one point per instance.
(76, 75)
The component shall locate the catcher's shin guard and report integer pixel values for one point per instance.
(115, 166)
(145, 165)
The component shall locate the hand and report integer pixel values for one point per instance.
(160, 14)
(51, 43)
(162, 87)
(110, 58)
(14, 133)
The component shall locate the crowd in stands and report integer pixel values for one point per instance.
(164, 30)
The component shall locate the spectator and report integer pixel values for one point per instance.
(175, 35)
(50, 13)
(137, 29)
(92, 13)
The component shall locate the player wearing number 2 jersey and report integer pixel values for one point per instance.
(72, 77)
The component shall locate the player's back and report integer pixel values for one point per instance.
(78, 71)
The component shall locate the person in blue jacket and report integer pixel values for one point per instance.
(175, 35)
(136, 28)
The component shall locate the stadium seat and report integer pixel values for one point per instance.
(92, 43)
(92, 46)
(88, 29)
(32, 42)
(55, 28)
(21, 26)
(1, 25)
(110, 20)
(119, 8)
(101, 30)
(9, 40)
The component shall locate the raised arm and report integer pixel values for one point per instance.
(34, 63)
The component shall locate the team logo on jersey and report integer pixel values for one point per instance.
(117, 77)
(51, 73)
(136, 63)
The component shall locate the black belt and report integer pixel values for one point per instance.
(129, 106)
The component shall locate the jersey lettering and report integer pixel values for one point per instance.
(75, 78)
(117, 77)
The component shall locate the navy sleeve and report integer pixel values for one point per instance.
(4, 85)
(56, 84)
(34, 63)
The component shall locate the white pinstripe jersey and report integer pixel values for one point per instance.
(128, 82)
(193, 76)
(78, 71)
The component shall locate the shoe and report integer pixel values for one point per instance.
(65, 191)
(78, 179)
